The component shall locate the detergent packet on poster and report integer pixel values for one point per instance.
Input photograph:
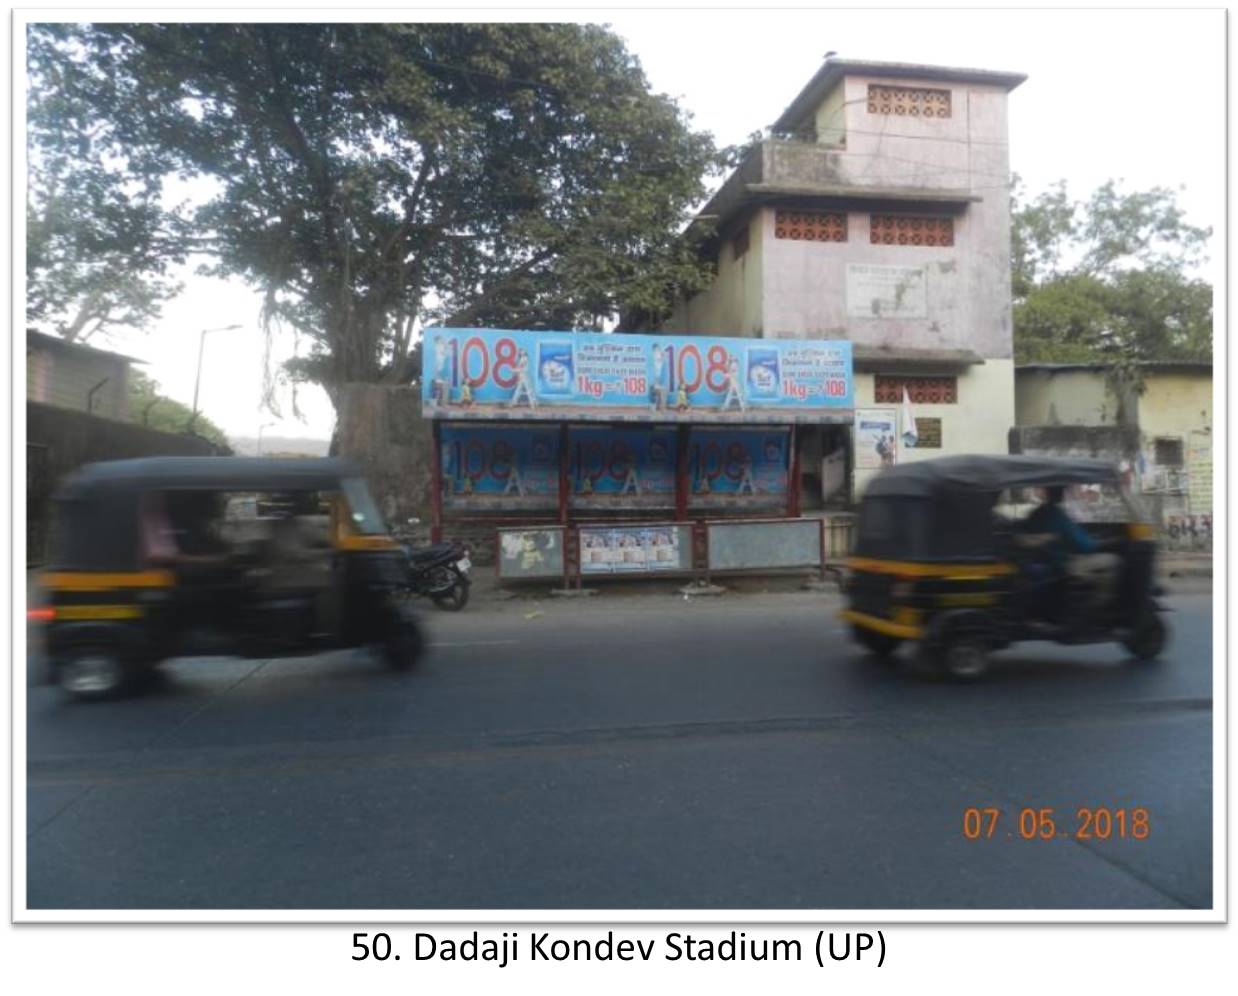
(554, 367)
(763, 379)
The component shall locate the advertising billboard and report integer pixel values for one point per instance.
(487, 374)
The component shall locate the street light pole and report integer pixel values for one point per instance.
(265, 425)
(197, 381)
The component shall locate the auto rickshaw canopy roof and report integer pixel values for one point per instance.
(99, 506)
(987, 474)
(208, 474)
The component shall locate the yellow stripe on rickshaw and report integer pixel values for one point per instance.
(105, 581)
(865, 621)
(960, 572)
(94, 612)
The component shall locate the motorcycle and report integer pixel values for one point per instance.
(439, 573)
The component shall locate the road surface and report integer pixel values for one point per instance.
(640, 752)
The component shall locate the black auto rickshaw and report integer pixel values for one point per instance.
(179, 556)
(936, 563)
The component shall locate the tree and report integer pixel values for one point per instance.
(150, 408)
(98, 241)
(374, 178)
(1107, 280)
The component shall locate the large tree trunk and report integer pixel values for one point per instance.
(380, 427)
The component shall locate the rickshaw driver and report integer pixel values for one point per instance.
(1069, 549)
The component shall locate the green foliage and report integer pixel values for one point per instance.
(1107, 280)
(150, 408)
(372, 178)
(98, 242)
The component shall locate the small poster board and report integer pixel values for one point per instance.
(876, 438)
(635, 549)
(530, 553)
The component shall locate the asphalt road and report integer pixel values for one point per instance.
(634, 752)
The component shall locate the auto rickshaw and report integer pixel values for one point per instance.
(936, 562)
(150, 561)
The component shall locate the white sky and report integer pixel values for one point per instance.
(1130, 94)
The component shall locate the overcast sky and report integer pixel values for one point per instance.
(1130, 94)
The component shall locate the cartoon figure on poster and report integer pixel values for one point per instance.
(524, 383)
(441, 388)
(746, 482)
(514, 481)
(734, 387)
(631, 481)
(658, 388)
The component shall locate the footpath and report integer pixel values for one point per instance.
(1178, 573)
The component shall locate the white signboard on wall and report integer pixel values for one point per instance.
(1199, 472)
(886, 291)
(876, 438)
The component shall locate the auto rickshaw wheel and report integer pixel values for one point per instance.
(1148, 640)
(92, 673)
(964, 658)
(879, 644)
(403, 644)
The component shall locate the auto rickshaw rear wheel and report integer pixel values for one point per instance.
(879, 644)
(91, 673)
(1148, 639)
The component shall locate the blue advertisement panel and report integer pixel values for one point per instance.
(738, 466)
(518, 464)
(610, 466)
(486, 374)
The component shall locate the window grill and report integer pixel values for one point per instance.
(888, 390)
(810, 226)
(908, 101)
(907, 230)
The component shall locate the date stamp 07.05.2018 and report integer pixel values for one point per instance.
(1046, 823)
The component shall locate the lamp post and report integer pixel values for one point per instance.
(197, 381)
(265, 425)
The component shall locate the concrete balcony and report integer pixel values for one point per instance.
(830, 176)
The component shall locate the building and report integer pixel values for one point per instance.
(1162, 432)
(77, 412)
(878, 213)
(71, 375)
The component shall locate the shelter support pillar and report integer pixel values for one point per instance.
(564, 483)
(793, 485)
(682, 484)
(436, 484)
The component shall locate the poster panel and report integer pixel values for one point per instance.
(533, 552)
(618, 467)
(738, 467)
(513, 466)
(634, 549)
(487, 374)
(876, 438)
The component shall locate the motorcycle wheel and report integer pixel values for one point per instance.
(457, 598)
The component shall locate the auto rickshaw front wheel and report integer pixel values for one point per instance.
(964, 658)
(1149, 638)
(403, 644)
